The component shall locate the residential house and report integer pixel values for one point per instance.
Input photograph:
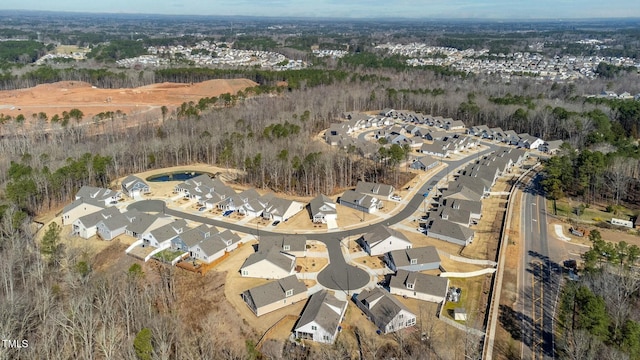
(511, 137)
(322, 209)
(295, 245)
(529, 142)
(461, 191)
(551, 147)
(163, 235)
(383, 239)
(196, 188)
(101, 195)
(134, 187)
(275, 295)
(108, 229)
(438, 148)
(360, 201)
(281, 209)
(384, 310)
(215, 246)
(474, 207)
(458, 216)
(413, 259)
(481, 131)
(142, 223)
(425, 163)
(378, 190)
(454, 125)
(86, 226)
(437, 135)
(185, 241)
(80, 207)
(320, 318)
(268, 264)
(450, 232)
(419, 286)
(496, 134)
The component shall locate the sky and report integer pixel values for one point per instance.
(448, 9)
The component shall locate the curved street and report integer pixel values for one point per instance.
(337, 275)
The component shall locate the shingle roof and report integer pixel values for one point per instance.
(374, 188)
(274, 291)
(381, 233)
(295, 242)
(169, 231)
(324, 309)
(450, 229)
(422, 283)
(78, 202)
(423, 255)
(93, 219)
(318, 202)
(385, 307)
(273, 256)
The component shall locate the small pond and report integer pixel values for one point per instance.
(175, 176)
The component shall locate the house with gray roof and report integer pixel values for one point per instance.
(320, 318)
(439, 148)
(551, 147)
(192, 237)
(322, 209)
(460, 191)
(425, 163)
(142, 223)
(359, 201)
(268, 264)
(281, 209)
(458, 216)
(474, 207)
(382, 239)
(163, 235)
(275, 295)
(413, 259)
(213, 247)
(295, 245)
(511, 137)
(450, 232)
(134, 187)
(80, 207)
(419, 286)
(86, 226)
(454, 125)
(383, 191)
(529, 142)
(384, 310)
(101, 195)
(108, 229)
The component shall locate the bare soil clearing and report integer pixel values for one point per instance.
(63, 96)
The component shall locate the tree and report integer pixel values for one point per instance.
(142, 344)
(51, 246)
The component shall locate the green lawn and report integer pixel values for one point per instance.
(168, 255)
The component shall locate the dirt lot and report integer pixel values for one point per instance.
(64, 96)
(310, 264)
(372, 262)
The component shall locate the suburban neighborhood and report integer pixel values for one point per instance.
(372, 247)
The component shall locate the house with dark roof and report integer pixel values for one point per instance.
(320, 318)
(450, 232)
(359, 201)
(322, 209)
(80, 207)
(413, 259)
(295, 245)
(382, 239)
(275, 295)
(268, 264)
(133, 186)
(425, 163)
(383, 191)
(419, 286)
(384, 310)
(163, 235)
(86, 226)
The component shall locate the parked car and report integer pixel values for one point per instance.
(227, 213)
(275, 223)
(396, 197)
(203, 208)
(424, 217)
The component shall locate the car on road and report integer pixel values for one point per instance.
(422, 230)
(203, 208)
(396, 197)
(432, 185)
(227, 213)
(424, 217)
(275, 223)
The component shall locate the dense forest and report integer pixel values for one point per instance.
(599, 314)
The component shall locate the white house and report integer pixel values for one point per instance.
(134, 187)
(383, 239)
(86, 226)
(215, 246)
(321, 318)
(384, 310)
(78, 208)
(419, 286)
(323, 209)
(268, 264)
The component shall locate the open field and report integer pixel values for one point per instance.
(372, 262)
(64, 96)
(311, 264)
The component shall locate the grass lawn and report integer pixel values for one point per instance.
(168, 255)
(594, 213)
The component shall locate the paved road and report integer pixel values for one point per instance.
(539, 277)
(338, 275)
